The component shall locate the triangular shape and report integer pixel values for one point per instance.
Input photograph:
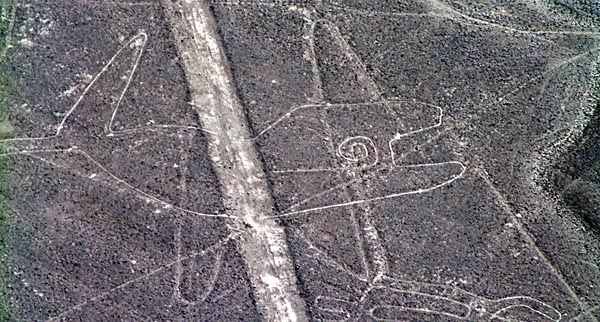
(92, 113)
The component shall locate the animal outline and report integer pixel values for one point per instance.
(353, 158)
(88, 126)
(356, 152)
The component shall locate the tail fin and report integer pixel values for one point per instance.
(94, 110)
(340, 75)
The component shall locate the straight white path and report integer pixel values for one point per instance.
(248, 198)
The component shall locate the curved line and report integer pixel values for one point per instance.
(104, 69)
(459, 13)
(166, 204)
(117, 179)
(350, 138)
(143, 277)
(530, 299)
(400, 308)
(475, 22)
(216, 270)
(381, 102)
(495, 314)
(437, 297)
(89, 86)
(407, 193)
(130, 78)
(338, 186)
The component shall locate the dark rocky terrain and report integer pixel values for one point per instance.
(429, 160)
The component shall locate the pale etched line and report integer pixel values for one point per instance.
(178, 226)
(75, 150)
(119, 3)
(332, 310)
(179, 268)
(451, 14)
(340, 152)
(398, 136)
(464, 21)
(263, 246)
(511, 302)
(318, 95)
(153, 272)
(372, 240)
(221, 295)
(452, 11)
(559, 137)
(525, 84)
(329, 105)
(496, 315)
(550, 70)
(345, 189)
(473, 303)
(216, 272)
(281, 118)
(372, 88)
(586, 313)
(361, 244)
(529, 239)
(278, 3)
(373, 173)
(390, 196)
(409, 309)
(328, 260)
(157, 128)
(455, 15)
(436, 125)
(467, 307)
(166, 204)
(141, 44)
(469, 303)
(138, 41)
(178, 273)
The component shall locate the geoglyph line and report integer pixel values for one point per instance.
(263, 245)
(274, 281)
(492, 309)
(47, 144)
(153, 272)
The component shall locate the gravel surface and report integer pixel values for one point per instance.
(427, 161)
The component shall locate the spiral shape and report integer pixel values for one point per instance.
(358, 151)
